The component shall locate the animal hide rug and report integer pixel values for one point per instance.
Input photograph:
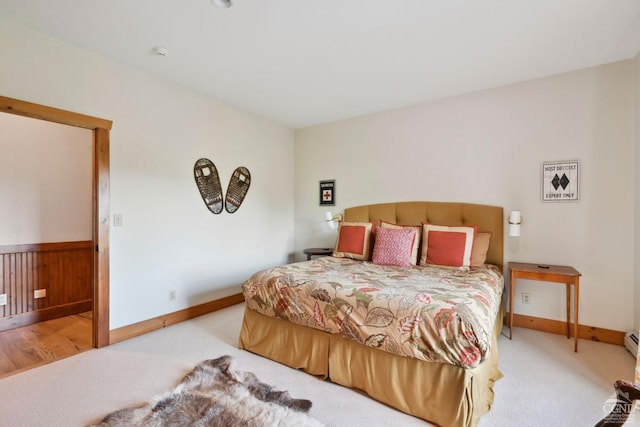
(216, 394)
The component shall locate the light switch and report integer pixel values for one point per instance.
(117, 220)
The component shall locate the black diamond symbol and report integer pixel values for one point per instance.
(564, 181)
(555, 182)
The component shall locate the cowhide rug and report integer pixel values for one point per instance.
(216, 394)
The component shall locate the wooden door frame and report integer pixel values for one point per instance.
(101, 174)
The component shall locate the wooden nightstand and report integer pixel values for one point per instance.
(309, 252)
(548, 273)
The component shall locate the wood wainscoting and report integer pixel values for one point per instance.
(64, 271)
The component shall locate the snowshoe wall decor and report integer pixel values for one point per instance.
(208, 181)
(237, 189)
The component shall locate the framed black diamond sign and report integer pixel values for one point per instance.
(560, 181)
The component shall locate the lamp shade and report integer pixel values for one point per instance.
(331, 223)
(515, 219)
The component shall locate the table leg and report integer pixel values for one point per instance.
(575, 308)
(568, 310)
(512, 287)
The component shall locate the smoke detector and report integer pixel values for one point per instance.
(223, 4)
(160, 51)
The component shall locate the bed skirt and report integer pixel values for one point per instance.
(440, 393)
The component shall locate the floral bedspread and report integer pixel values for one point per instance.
(427, 313)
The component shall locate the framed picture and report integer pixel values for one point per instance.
(328, 193)
(560, 181)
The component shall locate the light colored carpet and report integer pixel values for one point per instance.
(545, 382)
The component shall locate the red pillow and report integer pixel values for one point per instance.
(394, 246)
(353, 240)
(447, 246)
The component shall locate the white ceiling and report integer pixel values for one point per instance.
(305, 62)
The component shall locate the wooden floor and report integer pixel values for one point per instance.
(45, 342)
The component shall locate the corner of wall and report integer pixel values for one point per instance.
(636, 191)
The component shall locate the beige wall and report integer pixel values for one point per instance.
(487, 147)
(45, 181)
(169, 240)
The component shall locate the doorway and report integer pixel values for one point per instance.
(100, 193)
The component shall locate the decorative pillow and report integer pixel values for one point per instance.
(480, 248)
(354, 240)
(447, 246)
(416, 241)
(394, 246)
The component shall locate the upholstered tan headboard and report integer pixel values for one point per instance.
(487, 218)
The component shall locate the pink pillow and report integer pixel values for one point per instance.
(447, 246)
(416, 240)
(393, 246)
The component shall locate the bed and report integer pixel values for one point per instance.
(406, 335)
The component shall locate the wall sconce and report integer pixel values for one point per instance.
(331, 220)
(515, 219)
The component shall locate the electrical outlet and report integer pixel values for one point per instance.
(39, 293)
(526, 298)
(117, 220)
(3, 299)
(172, 295)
